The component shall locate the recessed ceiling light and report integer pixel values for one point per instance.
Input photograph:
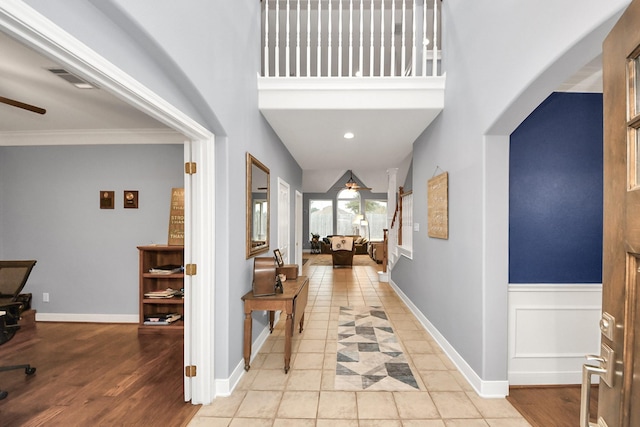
(349, 135)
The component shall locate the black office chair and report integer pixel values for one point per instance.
(8, 328)
(13, 277)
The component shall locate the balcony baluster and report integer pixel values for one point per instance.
(322, 30)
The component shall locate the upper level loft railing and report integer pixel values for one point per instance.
(358, 38)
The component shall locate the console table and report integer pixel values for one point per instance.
(291, 303)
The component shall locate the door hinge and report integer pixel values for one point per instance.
(190, 168)
(190, 371)
(190, 269)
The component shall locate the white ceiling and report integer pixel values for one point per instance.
(24, 76)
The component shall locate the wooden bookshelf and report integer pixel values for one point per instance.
(151, 257)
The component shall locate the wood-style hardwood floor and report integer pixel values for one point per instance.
(553, 406)
(94, 375)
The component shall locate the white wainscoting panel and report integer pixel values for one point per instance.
(551, 328)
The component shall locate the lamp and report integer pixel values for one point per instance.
(365, 223)
(356, 221)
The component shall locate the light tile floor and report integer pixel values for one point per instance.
(266, 396)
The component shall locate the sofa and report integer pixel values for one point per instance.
(361, 244)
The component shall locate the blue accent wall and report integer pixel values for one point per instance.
(555, 192)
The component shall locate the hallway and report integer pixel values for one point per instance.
(266, 396)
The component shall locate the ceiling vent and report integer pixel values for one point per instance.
(71, 78)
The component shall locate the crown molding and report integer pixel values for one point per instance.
(91, 137)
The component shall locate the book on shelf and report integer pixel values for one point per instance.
(166, 269)
(160, 319)
(165, 293)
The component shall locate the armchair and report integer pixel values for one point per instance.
(342, 251)
(13, 277)
(376, 251)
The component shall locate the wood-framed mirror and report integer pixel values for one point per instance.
(257, 207)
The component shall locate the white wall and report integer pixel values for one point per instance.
(502, 59)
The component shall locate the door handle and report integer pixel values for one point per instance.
(585, 393)
(605, 370)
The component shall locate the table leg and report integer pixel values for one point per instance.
(302, 322)
(247, 340)
(271, 320)
(287, 341)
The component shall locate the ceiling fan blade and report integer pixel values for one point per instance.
(22, 105)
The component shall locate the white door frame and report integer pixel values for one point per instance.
(284, 220)
(34, 30)
(298, 230)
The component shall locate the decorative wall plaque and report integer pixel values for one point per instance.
(438, 206)
(107, 199)
(131, 199)
(176, 217)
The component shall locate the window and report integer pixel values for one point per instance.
(634, 133)
(321, 217)
(348, 211)
(375, 211)
(407, 221)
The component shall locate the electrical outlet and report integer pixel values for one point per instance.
(45, 297)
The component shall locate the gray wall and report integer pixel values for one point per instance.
(203, 57)
(50, 212)
(460, 284)
(408, 182)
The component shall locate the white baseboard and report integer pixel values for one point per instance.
(486, 389)
(548, 378)
(87, 318)
(225, 386)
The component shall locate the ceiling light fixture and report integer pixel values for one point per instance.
(352, 185)
(349, 135)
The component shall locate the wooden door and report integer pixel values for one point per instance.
(619, 394)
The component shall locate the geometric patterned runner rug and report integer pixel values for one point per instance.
(369, 355)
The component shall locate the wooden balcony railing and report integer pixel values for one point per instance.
(350, 38)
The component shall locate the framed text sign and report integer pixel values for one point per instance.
(176, 217)
(438, 206)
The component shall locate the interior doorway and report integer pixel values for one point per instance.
(284, 220)
(22, 23)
